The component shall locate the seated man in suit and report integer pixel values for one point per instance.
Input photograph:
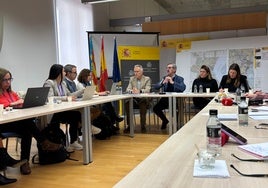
(170, 83)
(138, 84)
(70, 76)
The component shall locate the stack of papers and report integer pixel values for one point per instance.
(227, 117)
(259, 113)
(258, 150)
(220, 170)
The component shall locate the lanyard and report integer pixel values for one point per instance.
(61, 90)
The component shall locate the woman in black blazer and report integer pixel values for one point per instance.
(234, 80)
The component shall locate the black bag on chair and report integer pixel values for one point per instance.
(51, 148)
(104, 123)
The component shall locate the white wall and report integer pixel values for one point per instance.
(28, 48)
(74, 19)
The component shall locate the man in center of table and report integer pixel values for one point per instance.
(170, 83)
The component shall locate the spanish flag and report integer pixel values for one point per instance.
(103, 69)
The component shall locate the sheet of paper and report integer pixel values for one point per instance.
(261, 108)
(220, 170)
(259, 113)
(227, 117)
(258, 150)
(259, 117)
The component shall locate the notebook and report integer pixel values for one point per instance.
(36, 96)
(88, 93)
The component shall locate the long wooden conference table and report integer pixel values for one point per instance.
(84, 107)
(172, 163)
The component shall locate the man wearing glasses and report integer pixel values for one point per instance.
(138, 83)
(70, 76)
(170, 83)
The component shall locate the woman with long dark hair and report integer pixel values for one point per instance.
(207, 81)
(58, 89)
(234, 80)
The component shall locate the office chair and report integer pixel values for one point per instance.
(8, 135)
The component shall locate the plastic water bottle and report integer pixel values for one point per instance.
(243, 112)
(238, 95)
(214, 133)
(195, 88)
(118, 90)
(200, 88)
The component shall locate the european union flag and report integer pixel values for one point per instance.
(116, 70)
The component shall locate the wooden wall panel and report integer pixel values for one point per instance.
(230, 22)
(168, 27)
(151, 27)
(255, 20)
(208, 24)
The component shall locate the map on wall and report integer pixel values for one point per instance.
(219, 61)
(244, 58)
(215, 60)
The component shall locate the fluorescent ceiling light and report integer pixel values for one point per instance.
(97, 1)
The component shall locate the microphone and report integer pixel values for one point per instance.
(163, 79)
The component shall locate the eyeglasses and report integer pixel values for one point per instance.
(169, 67)
(261, 126)
(249, 175)
(248, 160)
(7, 80)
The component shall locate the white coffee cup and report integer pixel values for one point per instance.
(50, 100)
(226, 90)
(208, 90)
(69, 98)
(1, 110)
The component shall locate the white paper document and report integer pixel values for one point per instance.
(259, 150)
(220, 170)
(261, 113)
(261, 108)
(227, 117)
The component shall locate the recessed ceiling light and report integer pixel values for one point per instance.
(97, 1)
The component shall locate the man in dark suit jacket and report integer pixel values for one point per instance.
(170, 83)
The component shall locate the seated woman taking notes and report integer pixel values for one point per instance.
(85, 79)
(234, 80)
(25, 128)
(58, 89)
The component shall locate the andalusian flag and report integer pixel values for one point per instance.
(92, 63)
(103, 69)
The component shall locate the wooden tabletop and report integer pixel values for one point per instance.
(172, 164)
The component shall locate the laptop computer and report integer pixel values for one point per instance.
(36, 96)
(88, 93)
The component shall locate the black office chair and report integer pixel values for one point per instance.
(8, 135)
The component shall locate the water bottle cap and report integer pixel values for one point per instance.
(213, 112)
(243, 98)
